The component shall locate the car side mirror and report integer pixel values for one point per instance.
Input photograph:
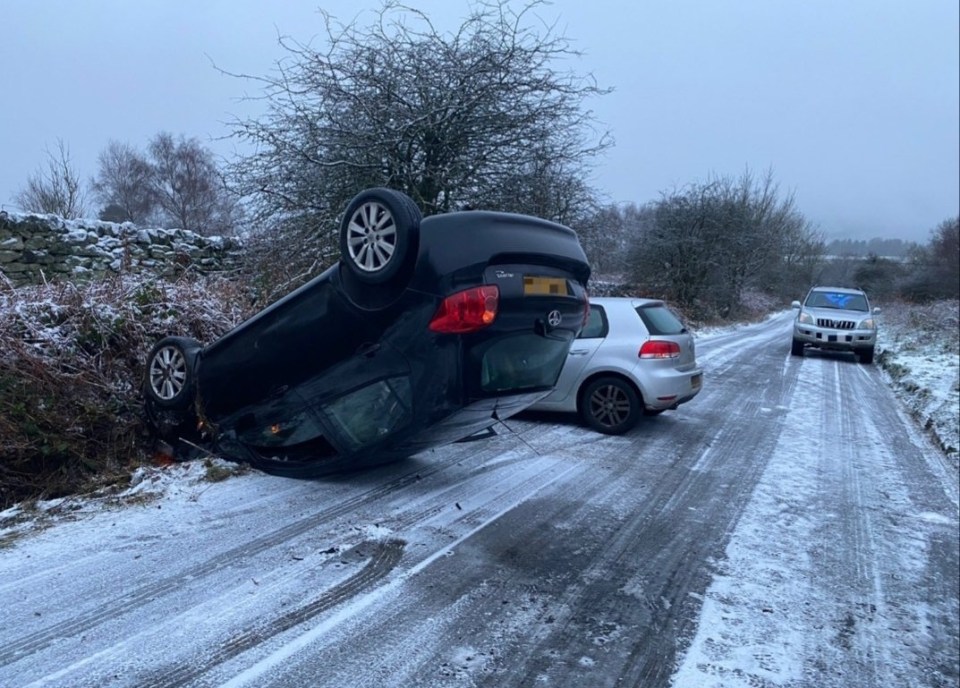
(795, 304)
(876, 310)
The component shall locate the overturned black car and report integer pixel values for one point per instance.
(425, 332)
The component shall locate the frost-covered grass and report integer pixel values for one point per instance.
(919, 348)
(71, 361)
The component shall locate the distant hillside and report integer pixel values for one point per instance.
(889, 248)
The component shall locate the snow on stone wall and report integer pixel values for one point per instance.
(38, 248)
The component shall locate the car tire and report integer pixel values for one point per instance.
(378, 234)
(865, 356)
(170, 378)
(796, 349)
(610, 405)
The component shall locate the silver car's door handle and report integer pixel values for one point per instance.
(579, 352)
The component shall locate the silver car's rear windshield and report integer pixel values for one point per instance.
(835, 299)
(660, 320)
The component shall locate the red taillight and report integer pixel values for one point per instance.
(467, 311)
(658, 349)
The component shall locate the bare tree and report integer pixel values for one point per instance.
(678, 254)
(935, 267)
(705, 244)
(56, 189)
(545, 186)
(945, 245)
(452, 119)
(188, 188)
(607, 237)
(124, 184)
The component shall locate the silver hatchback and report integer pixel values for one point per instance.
(633, 357)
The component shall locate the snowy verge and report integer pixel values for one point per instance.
(919, 352)
(147, 484)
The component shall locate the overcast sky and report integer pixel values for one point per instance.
(854, 104)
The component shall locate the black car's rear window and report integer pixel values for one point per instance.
(660, 320)
(522, 362)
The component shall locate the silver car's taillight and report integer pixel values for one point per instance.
(655, 348)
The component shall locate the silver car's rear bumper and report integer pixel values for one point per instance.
(668, 388)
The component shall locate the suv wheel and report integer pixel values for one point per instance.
(865, 356)
(796, 348)
(610, 405)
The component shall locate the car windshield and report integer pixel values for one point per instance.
(660, 320)
(522, 362)
(839, 300)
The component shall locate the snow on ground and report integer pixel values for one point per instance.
(776, 615)
(751, 625)
(919, 348)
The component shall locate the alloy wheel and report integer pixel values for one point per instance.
(168, 373)
(609, 405)
(371, 237)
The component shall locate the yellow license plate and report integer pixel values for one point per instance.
(545, 286)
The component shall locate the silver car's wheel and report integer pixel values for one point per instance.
(378, 235)
(371, 237)
(170, 376)
(610, 405)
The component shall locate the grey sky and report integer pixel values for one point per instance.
(854, 104)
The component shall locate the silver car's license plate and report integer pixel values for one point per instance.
(696, 381)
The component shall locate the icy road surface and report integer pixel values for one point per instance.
(789, 527)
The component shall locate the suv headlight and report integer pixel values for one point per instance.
(805, 318)
(868, 324)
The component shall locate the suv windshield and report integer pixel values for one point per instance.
(834, 299)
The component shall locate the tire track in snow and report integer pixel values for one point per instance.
(385, 558)
(505, 489)
(831, 579)
(686, 519)
(869, 482)
(325, 634)
(39, 640)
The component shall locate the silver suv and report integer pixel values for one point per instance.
(836, 319)
(634, 357)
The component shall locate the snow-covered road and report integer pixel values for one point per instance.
(789, 527)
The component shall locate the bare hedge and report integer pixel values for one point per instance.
(72, 359)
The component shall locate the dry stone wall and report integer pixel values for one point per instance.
(38, 248)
